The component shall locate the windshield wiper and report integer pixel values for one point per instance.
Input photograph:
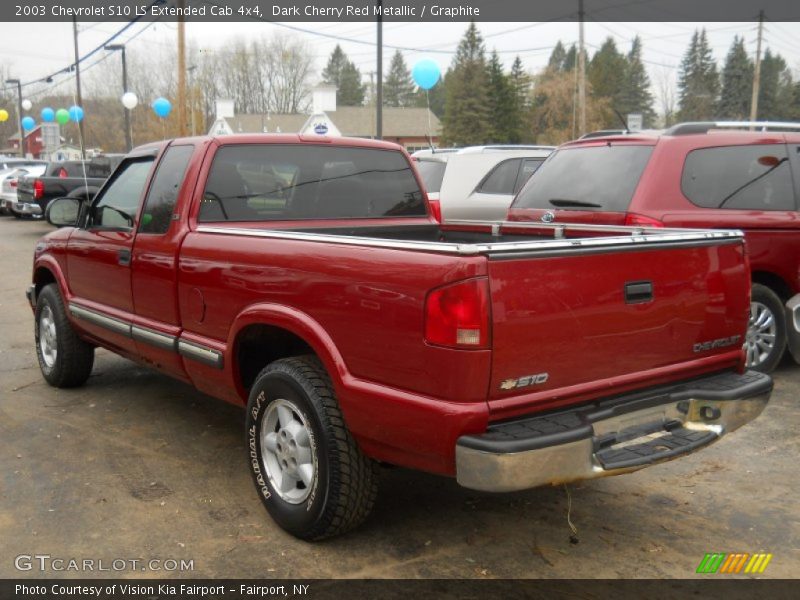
(562, 203)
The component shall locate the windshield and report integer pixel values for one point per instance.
(432, 172)
(601, 178)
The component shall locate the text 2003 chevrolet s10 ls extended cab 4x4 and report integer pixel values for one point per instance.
(306, 279)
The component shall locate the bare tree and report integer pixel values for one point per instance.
(666, 93)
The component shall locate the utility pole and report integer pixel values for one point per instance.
(379, 98)
(19, 114)
(190, 71)
(78, 84)
(181, 69)
(581, 73)
(126, 111)
(757, 70)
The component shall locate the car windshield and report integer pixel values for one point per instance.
(432, 172)
(598, 178)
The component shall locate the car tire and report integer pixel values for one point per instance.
(64, 358)
(765, 341)
(308, 470)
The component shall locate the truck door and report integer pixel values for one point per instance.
(156, 323)
(99, 256)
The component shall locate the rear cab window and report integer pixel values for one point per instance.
(271, 182)
(753, 177)
(596, 178)
(432, 173)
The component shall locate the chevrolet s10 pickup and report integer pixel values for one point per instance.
(306, 280)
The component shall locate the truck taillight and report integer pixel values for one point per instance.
(457, 315)
(635, 220)
(13, 183)
(38, 189)
(436, 209)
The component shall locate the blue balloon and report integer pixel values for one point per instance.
(425, 73)
(162, 107)
(28, 123)
(76, 113)
(48, 115)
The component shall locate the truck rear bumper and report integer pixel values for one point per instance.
(793, 327)
(26, 208)
(612, 436)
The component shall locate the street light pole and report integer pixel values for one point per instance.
(125, 111)
(19, 114)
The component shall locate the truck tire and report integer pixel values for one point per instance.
(310, 474)
(64, 358)
(765, 341)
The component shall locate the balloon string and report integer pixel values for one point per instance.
(83, 147)
(428, 105)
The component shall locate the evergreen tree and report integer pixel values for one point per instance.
(520, 83)
(606, 74)
(636, 96)
(434, 98)
(737, 83)
(502, 103)
(466, 108)
(558, 58)
(698, 81)
(343, 73)
(571, 59)
(775, 92)
(398, 87)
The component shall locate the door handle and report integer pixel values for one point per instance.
(638, 292)
(124, 257)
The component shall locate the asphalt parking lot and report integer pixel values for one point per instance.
(137, 466)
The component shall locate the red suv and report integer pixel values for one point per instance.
(695, 175)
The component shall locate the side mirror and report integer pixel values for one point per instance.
(63, 212)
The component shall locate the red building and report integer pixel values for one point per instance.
(33, 144)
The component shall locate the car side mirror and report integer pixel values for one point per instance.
(63, 212)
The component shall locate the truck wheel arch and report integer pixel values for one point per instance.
(294, 332)
(46, 272)
(773, 282)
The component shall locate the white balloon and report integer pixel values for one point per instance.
(27, 104)
(129, 100)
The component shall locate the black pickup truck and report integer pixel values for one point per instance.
(76, 179)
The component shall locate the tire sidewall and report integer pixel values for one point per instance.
(46, 299)
(770, 299)
(299, 519)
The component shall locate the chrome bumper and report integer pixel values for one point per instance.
(793, 327)
(26, 208)
(30, 294)
(610, 437)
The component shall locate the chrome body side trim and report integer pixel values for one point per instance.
(154, 338)
(203, 354)
(111, 323)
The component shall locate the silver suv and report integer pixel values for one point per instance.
(478, 182)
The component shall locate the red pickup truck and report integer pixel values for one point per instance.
(305, 279)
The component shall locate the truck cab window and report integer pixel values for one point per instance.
(164, 190)
(116, 207)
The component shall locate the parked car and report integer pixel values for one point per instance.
(478, 182)
(8, 187)
(9, 166)
(77, 179)
(308, 281)
(694, 175)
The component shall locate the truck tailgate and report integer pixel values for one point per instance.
(576, 324)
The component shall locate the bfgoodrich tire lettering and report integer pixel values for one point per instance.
(331, 485)
(766, 333)
(64, 359)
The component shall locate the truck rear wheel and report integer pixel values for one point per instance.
(310, 474)
(766, 332)
(64, 359)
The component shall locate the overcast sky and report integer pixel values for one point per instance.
(37, 49)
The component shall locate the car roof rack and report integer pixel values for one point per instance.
(706, 126)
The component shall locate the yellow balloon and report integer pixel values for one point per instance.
(3, 115)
